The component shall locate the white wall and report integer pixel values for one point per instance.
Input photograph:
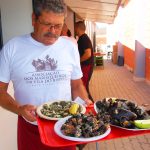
(124, 25)
(133, 23)
(16, 18)
(70, 21)
(90, 29)
(143, 22)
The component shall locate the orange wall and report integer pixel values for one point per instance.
(147, 64)
(129, 57)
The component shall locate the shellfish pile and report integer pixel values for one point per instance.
(85, 125)
(122, 112)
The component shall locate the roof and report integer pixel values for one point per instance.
(103, 11)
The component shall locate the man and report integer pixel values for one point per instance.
(39, 72)
(86, 54)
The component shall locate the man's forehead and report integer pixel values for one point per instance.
(46, 12)
(51, 16)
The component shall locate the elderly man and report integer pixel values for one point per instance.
(39, 73)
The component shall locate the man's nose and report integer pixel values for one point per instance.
(52, 28)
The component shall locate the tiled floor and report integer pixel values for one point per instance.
(116, 81)
(112, 81)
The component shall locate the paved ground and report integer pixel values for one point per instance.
(116, 81)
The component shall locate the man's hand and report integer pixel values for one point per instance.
(78, 90)
(88, 102)
(28, 112)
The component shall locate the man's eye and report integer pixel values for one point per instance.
(58, 26)
(47, 24)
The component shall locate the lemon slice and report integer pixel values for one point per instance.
(74, 109)
(142, 124)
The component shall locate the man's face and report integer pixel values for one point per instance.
(47, 27)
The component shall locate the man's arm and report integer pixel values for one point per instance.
(7, 102)
(78, 90)
(87, 54)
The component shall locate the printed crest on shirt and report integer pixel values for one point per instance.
(45, 65)
(45, 72)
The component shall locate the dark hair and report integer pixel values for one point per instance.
(69, 33)
(56, 6)
(81, 25)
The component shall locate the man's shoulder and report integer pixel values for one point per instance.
(69, 39)
(85, 38)
(17, 39)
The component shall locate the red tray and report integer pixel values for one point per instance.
(50, 138)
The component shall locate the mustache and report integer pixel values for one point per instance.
(49, 34)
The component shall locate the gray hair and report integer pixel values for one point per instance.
(56, 6)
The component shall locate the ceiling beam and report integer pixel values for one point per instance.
(119, 4)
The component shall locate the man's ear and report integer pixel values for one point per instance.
(33, 19)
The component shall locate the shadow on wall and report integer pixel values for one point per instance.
(135, 60)
(1, 40)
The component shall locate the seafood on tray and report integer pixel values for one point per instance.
(85, 125)
(59, 109)
(122, 112)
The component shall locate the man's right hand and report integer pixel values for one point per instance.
(28, 112)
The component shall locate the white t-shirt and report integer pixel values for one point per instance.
(39, 73)
(71, 39)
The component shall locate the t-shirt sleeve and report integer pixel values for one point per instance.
(5, 64)
(86, 43)
(76, 73)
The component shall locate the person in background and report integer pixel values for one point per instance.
(39, 73)
(66, 33)
(86, 54)
(69, 33)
